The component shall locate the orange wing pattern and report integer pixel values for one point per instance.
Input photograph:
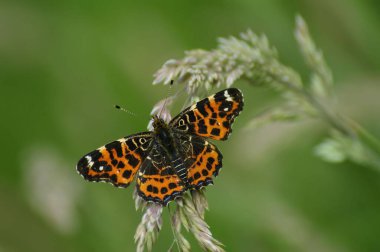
(116, 162)
(211, 117)
(157, 181)
(159, 188)
(207, 161)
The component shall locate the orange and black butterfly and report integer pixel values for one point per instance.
(174, 157)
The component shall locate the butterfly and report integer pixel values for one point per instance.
(174, 157)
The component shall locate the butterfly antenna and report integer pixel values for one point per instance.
(125, 110)
(167, 97)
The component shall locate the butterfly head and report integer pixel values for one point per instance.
(158, 123)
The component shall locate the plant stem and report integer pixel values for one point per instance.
(367, 137)
(345, 125)
(332, 118)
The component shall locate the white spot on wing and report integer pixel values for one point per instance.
(121, 140)
(226, 94)
(89, 160)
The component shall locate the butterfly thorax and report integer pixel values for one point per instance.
(164, 136)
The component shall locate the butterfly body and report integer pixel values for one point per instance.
(164, 136)
(174, 157)
(167, 140)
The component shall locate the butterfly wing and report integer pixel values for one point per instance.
(157, 180)
(116, 162)
(202, 159)
(211, 117)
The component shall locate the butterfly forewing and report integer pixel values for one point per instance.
(211, 117)
(116, 162)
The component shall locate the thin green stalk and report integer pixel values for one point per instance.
(330, 117)
(326, 114)
(369, 139)
(344, 125)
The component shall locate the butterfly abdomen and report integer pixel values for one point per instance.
(179, 168)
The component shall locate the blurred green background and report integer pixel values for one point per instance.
(63, 64)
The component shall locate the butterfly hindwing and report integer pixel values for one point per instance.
(211, 117)
(116, 162)
(204, 161)
(159, 189)
(157, 180)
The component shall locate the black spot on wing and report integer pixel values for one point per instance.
(82, 166)
(191, 116)
(107, 168)
(209, 166)
(226, 106)
(204, 172)
(97, 164)
(127, 174)
(219, 96)
(95, 155)
(226, 124)
(197, 175)
(113, 178)
(120, 164)
(132, 160)
(172, 185)
(210, 160)
(215, 131)
(116, 145)
(149, 188)
(131, 145)
(201, 106)
(155, 190)
(222, 114)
